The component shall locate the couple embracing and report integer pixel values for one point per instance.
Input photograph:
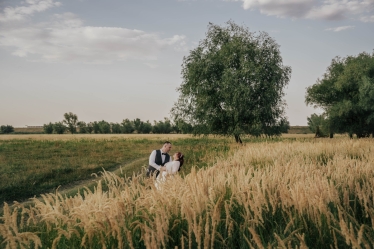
(161, 161)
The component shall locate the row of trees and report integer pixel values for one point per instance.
(72, 125)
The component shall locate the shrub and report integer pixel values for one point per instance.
(89, 127)
(48, 128)
(116, 128)
(59, 128)
(6, 129)
(82, 127)
(127, 126)
(95, 127)
(104, 127)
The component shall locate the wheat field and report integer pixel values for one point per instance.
(291, 194)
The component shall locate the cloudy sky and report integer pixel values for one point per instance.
(116, 59)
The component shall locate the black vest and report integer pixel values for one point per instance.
(158, 159)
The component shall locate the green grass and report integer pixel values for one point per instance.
(31, 167)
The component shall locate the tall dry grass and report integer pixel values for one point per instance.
(315, 194)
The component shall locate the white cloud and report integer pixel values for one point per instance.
(338, 29)
(66, 39)
(367, 18)
(22, 12)
(314, 9)
(151, 65)
(280, 8)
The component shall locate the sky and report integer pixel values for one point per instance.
(117, 59)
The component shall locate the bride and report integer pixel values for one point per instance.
(170, 168)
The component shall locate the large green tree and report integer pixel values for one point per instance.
(233, 84)
(346, 94)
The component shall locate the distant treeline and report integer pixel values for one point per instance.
(71, 125)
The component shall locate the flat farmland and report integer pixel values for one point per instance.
(34, 164)
(287, 192)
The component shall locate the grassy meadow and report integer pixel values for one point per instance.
(291, 192)
(34, 164)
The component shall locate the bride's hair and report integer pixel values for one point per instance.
(181, 159)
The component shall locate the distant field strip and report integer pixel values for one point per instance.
(316, 193)
(159, 137)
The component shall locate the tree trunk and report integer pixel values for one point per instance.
(318, 132)
(237, 139)
(331, 135)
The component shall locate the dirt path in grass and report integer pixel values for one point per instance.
(82, 183)
(68, 189)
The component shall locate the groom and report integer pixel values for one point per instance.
(158, 158)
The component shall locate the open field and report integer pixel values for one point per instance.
(290, 193)
(34, 164)
(297, 129)
(37, 163)
(28, 130)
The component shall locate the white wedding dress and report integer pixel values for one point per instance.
(171, 169)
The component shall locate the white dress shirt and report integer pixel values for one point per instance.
(152, 159)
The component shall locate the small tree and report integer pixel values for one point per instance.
(284, 126)
(138, 125)
(127, 126)
(318, 124)
(89, 127)
(6, 129)
(116, 128)
(48, 128)
(162, 127)
(71, 120)
(96, 127)
(104, 127)
(82, 127)
(146, 127)
(59, 128)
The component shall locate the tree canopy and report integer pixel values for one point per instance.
(71, 120)
(346, 94)
(233, 84)
(6, 129)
